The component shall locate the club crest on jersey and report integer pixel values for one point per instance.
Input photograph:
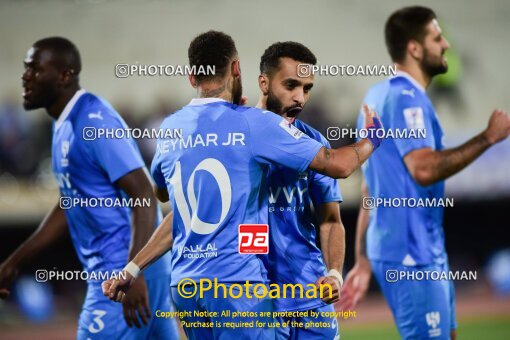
(433, 320)
(414, 118)
(65, 151)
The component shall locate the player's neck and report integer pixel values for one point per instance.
(55, 110)
(214, 91)
(416, 73)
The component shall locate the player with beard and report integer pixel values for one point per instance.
(295, 257)
(105, 238)
(393, 240)
(215, 180)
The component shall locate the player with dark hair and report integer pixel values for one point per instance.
(215, 180)
(105, 238)
(294, 198)
(404, 239)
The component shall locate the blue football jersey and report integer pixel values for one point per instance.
(407, 235)
(293, 196)
(216, 180)
(87, 168)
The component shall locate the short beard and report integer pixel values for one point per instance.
(431, 69)
(273, 103)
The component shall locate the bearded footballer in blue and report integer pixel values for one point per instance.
(402, 239)
(295, 197)
(89, 168)
(215, 178)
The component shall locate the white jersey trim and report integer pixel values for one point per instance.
(203, 101)
(411, 79)
(69, 107)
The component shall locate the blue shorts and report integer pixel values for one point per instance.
(308, 332)
(103, 319)
(216, 327)
(422, 309)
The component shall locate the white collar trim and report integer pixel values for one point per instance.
(411, 79)
(203, 101)
(69, 107)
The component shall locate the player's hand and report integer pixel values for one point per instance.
(244, 101)
(373, 125)
(498, 128)
(136, 301)
(335, 285)
(115, 289)
(356, 284)
(8, 273)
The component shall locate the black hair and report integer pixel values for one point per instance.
(66, 53)
(405, 25)
(270, 60)
(213, 49)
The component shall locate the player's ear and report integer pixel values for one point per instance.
(235, 68)
(264, 84)
(415, 49)
(192, 81)
(66, 77)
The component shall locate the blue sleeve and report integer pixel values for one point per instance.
(274, 140)
(116, 156)
(324, 189)
(407, 113)
(156, 172)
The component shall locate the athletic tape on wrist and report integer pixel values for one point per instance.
(335, 273)
(133, 269)
(372, 133)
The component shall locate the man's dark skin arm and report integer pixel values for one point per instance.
(137, 185)
(160, 243)
(332, 236)
(52, 228)
(161, 194)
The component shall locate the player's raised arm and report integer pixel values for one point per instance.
(160, 243)
(357, 280)
(342, 162)
(50, 230)
(332, 236)
(428, 166)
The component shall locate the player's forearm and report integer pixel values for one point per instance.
(361, 234)
(361, 228)
(333, 245)
(160, 242)
(434, 166)
(342, 162)
(49, 231)
(142, 227)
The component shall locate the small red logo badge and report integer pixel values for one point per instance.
(253, 239)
